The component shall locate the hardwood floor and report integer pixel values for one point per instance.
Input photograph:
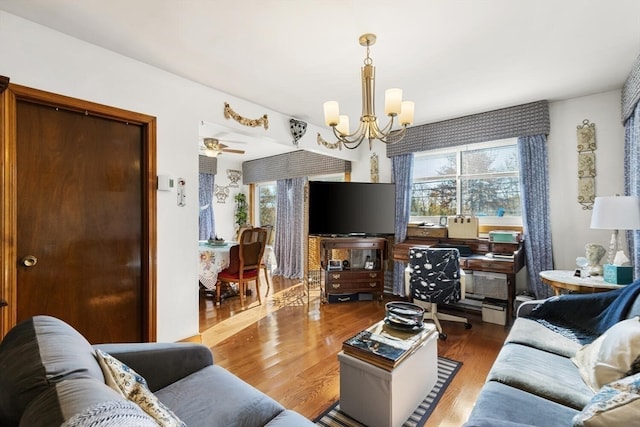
(287, 349)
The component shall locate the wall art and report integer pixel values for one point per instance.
(586, 134)
(221, 193)
(230, 114)
(234, 176)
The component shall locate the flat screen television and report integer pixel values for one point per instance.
(351, 208)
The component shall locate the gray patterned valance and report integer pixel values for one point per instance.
(296, 164)
(208, 164)
(521, 120)
(631, 91)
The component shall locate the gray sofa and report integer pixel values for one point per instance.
(51, 376)
(536, 379)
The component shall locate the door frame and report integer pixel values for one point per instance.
(10, 94)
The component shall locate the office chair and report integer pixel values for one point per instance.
(434, 278)
(244, 262)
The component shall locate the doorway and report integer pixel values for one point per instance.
(78, 198)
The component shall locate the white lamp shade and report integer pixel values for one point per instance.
(406, 113)
(392, 101)
(616, 213)
(331, 113)
(343, 125)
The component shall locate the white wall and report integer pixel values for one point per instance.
(569, 222)
(224, 213)
(38, 57)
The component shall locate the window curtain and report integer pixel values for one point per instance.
(205, 197)
(288, 245)
(632, 179)
(402, 172)
(536, 218)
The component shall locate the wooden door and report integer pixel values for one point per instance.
(84, 203)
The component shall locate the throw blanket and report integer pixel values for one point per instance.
(587, 316)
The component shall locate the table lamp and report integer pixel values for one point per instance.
(616, 213)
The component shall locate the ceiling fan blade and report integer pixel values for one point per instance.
(231, 150)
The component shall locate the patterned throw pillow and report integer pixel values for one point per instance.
(134, 387)
(111, 413)
(616, 404)
(609, 357)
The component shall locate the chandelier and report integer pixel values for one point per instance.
(368, 128)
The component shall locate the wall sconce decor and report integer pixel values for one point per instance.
(221, 193)
(298, 129)
(230, 114)
(327, 144)
(373, 165)
(234, 176)
(586, 134)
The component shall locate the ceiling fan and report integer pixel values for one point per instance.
(213, 147)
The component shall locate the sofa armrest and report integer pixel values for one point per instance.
(161, 364)
(527, 307)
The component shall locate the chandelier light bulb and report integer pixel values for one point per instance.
(343, 125)
(331, 113)
(406, 112)
(392, 101)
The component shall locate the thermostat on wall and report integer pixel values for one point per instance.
(165, 183)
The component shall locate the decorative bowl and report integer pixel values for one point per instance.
(404, 315)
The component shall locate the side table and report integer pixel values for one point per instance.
(564, 280)
(380, 398)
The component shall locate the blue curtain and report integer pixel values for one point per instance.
(402, 173)
(288, 245)
(536, 218)
(632, 179)
(205, 197)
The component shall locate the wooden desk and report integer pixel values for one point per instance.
(564, 280)
(477, 261)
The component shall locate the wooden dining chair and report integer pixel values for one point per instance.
(266, 255)
(244, 263)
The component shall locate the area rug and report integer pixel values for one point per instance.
(447, 369)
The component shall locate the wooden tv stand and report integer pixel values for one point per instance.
(353, 278)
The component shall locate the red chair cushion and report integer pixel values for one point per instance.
(230, 276)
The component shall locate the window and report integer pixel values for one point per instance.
(267, 204)
(480, 179)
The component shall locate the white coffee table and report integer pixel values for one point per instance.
(380, 398)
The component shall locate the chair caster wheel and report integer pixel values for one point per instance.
(442, 336)
(467, 325)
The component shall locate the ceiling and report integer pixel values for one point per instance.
(452, 57)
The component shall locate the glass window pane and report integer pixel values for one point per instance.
(267, 204)
(435, 165)
(481, 179)
(490, 160)
(491, 196)
(433, 198)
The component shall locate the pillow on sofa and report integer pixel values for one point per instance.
(80, 401)
(616, 404)
(134, 387)
(610, 356)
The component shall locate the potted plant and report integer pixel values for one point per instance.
(242, 210)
